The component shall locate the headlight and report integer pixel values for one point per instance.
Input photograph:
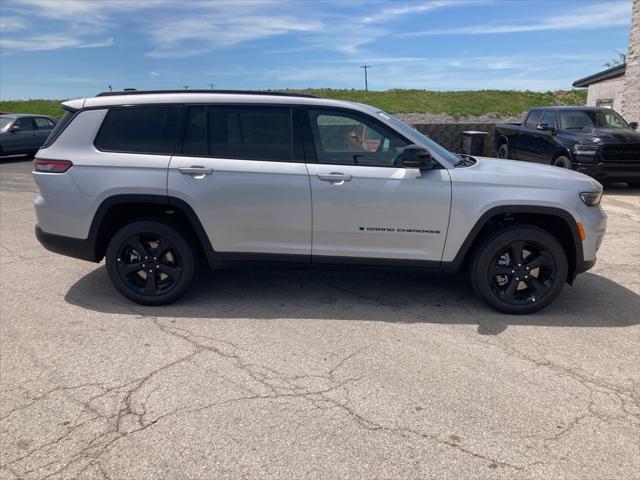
(591, 199)
(590, 149)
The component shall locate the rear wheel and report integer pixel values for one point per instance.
(563, 162)
(521, 269)
(150, 262)
(503, 151)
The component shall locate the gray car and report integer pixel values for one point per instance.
(160, 183)
(24, 133)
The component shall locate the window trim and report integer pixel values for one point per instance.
(309, 144)
(136, 106)
(296, 141)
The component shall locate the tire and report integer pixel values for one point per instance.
(633, 184)
(503, 151)
(519, 287)
(563, 162)
(131, 256)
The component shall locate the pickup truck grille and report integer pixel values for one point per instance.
(621, 153)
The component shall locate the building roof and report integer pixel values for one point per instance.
(612, 72)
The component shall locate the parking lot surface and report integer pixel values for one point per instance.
(266, 373)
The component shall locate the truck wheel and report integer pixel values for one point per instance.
(503, 151)
(150, 262)
(563, 162)
(519, 269)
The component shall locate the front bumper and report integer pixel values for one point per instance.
(608, 172)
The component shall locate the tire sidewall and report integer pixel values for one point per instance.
(490, 248)
(563, 162)
(186, 252)
(506, 151)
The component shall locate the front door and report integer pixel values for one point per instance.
(24, 139)
(365, 203)
(244, 176)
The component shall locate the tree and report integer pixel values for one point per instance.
(622, 58)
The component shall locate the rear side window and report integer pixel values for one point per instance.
(242, 132)
(44, 123)
(152, 130)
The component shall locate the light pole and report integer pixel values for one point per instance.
(186, 87)
(366, 83)
(212, 85)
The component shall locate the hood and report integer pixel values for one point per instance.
(604, 135)
(523, 174)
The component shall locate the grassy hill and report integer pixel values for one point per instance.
(456, 104)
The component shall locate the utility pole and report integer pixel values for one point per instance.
(366, 83)
(186, 87)
(212, 85)
(110, 89)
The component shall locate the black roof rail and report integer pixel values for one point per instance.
(233, 92)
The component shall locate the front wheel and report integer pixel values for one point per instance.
(150, 262)
(503, 151)
(520, 269)
(563, 162)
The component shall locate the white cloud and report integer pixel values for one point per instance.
(611, 14)
(12, 24)
(46, 42)
(389, 13)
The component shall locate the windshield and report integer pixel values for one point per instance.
(430, 144)
(587, 119)
(5, 122)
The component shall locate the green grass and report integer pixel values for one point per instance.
(456, 104)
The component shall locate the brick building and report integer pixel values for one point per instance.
(619, 87)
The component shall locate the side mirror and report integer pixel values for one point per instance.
(415, 156)
(634, 125)
(15, 128)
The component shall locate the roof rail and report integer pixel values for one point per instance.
(232, 92)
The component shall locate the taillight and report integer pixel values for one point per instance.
(52, 166)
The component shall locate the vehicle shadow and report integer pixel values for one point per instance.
(397, 296)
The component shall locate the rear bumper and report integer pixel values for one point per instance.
(80, 248)
(611, 172)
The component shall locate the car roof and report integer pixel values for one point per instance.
(570, 107)
(208, 97)
(24, 115)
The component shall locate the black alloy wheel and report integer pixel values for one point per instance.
(503, 151)
(519, 269)
(150, 262)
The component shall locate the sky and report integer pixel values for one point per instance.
(75, 48)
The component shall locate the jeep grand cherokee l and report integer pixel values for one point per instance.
(160, 183)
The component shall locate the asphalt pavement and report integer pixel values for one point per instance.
(320, 374)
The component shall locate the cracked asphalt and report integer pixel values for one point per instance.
(321, 374)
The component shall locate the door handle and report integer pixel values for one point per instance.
(336, 178)
(195, 170)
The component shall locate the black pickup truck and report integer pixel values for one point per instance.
(592, 140)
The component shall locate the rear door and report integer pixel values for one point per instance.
(44, 126)
(241, 169)
(365, 203)
(528, 137)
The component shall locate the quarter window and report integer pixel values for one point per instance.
(349, 139)
(152, 130)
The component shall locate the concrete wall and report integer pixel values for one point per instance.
(631, 98)
(610, 89)
(449, 135)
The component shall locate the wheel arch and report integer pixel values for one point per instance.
(558, 222)
(118, 210)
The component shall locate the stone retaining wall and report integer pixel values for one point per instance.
(449, 135)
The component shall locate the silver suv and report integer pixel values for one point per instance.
(160, 183)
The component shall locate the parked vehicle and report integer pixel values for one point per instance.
(592, 140)
(21, 133)
(160, 183)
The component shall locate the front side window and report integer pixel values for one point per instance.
(350, 139)
(25, 124)
(239, 132)
(152, 130)
(549, 118)
(533, 119)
